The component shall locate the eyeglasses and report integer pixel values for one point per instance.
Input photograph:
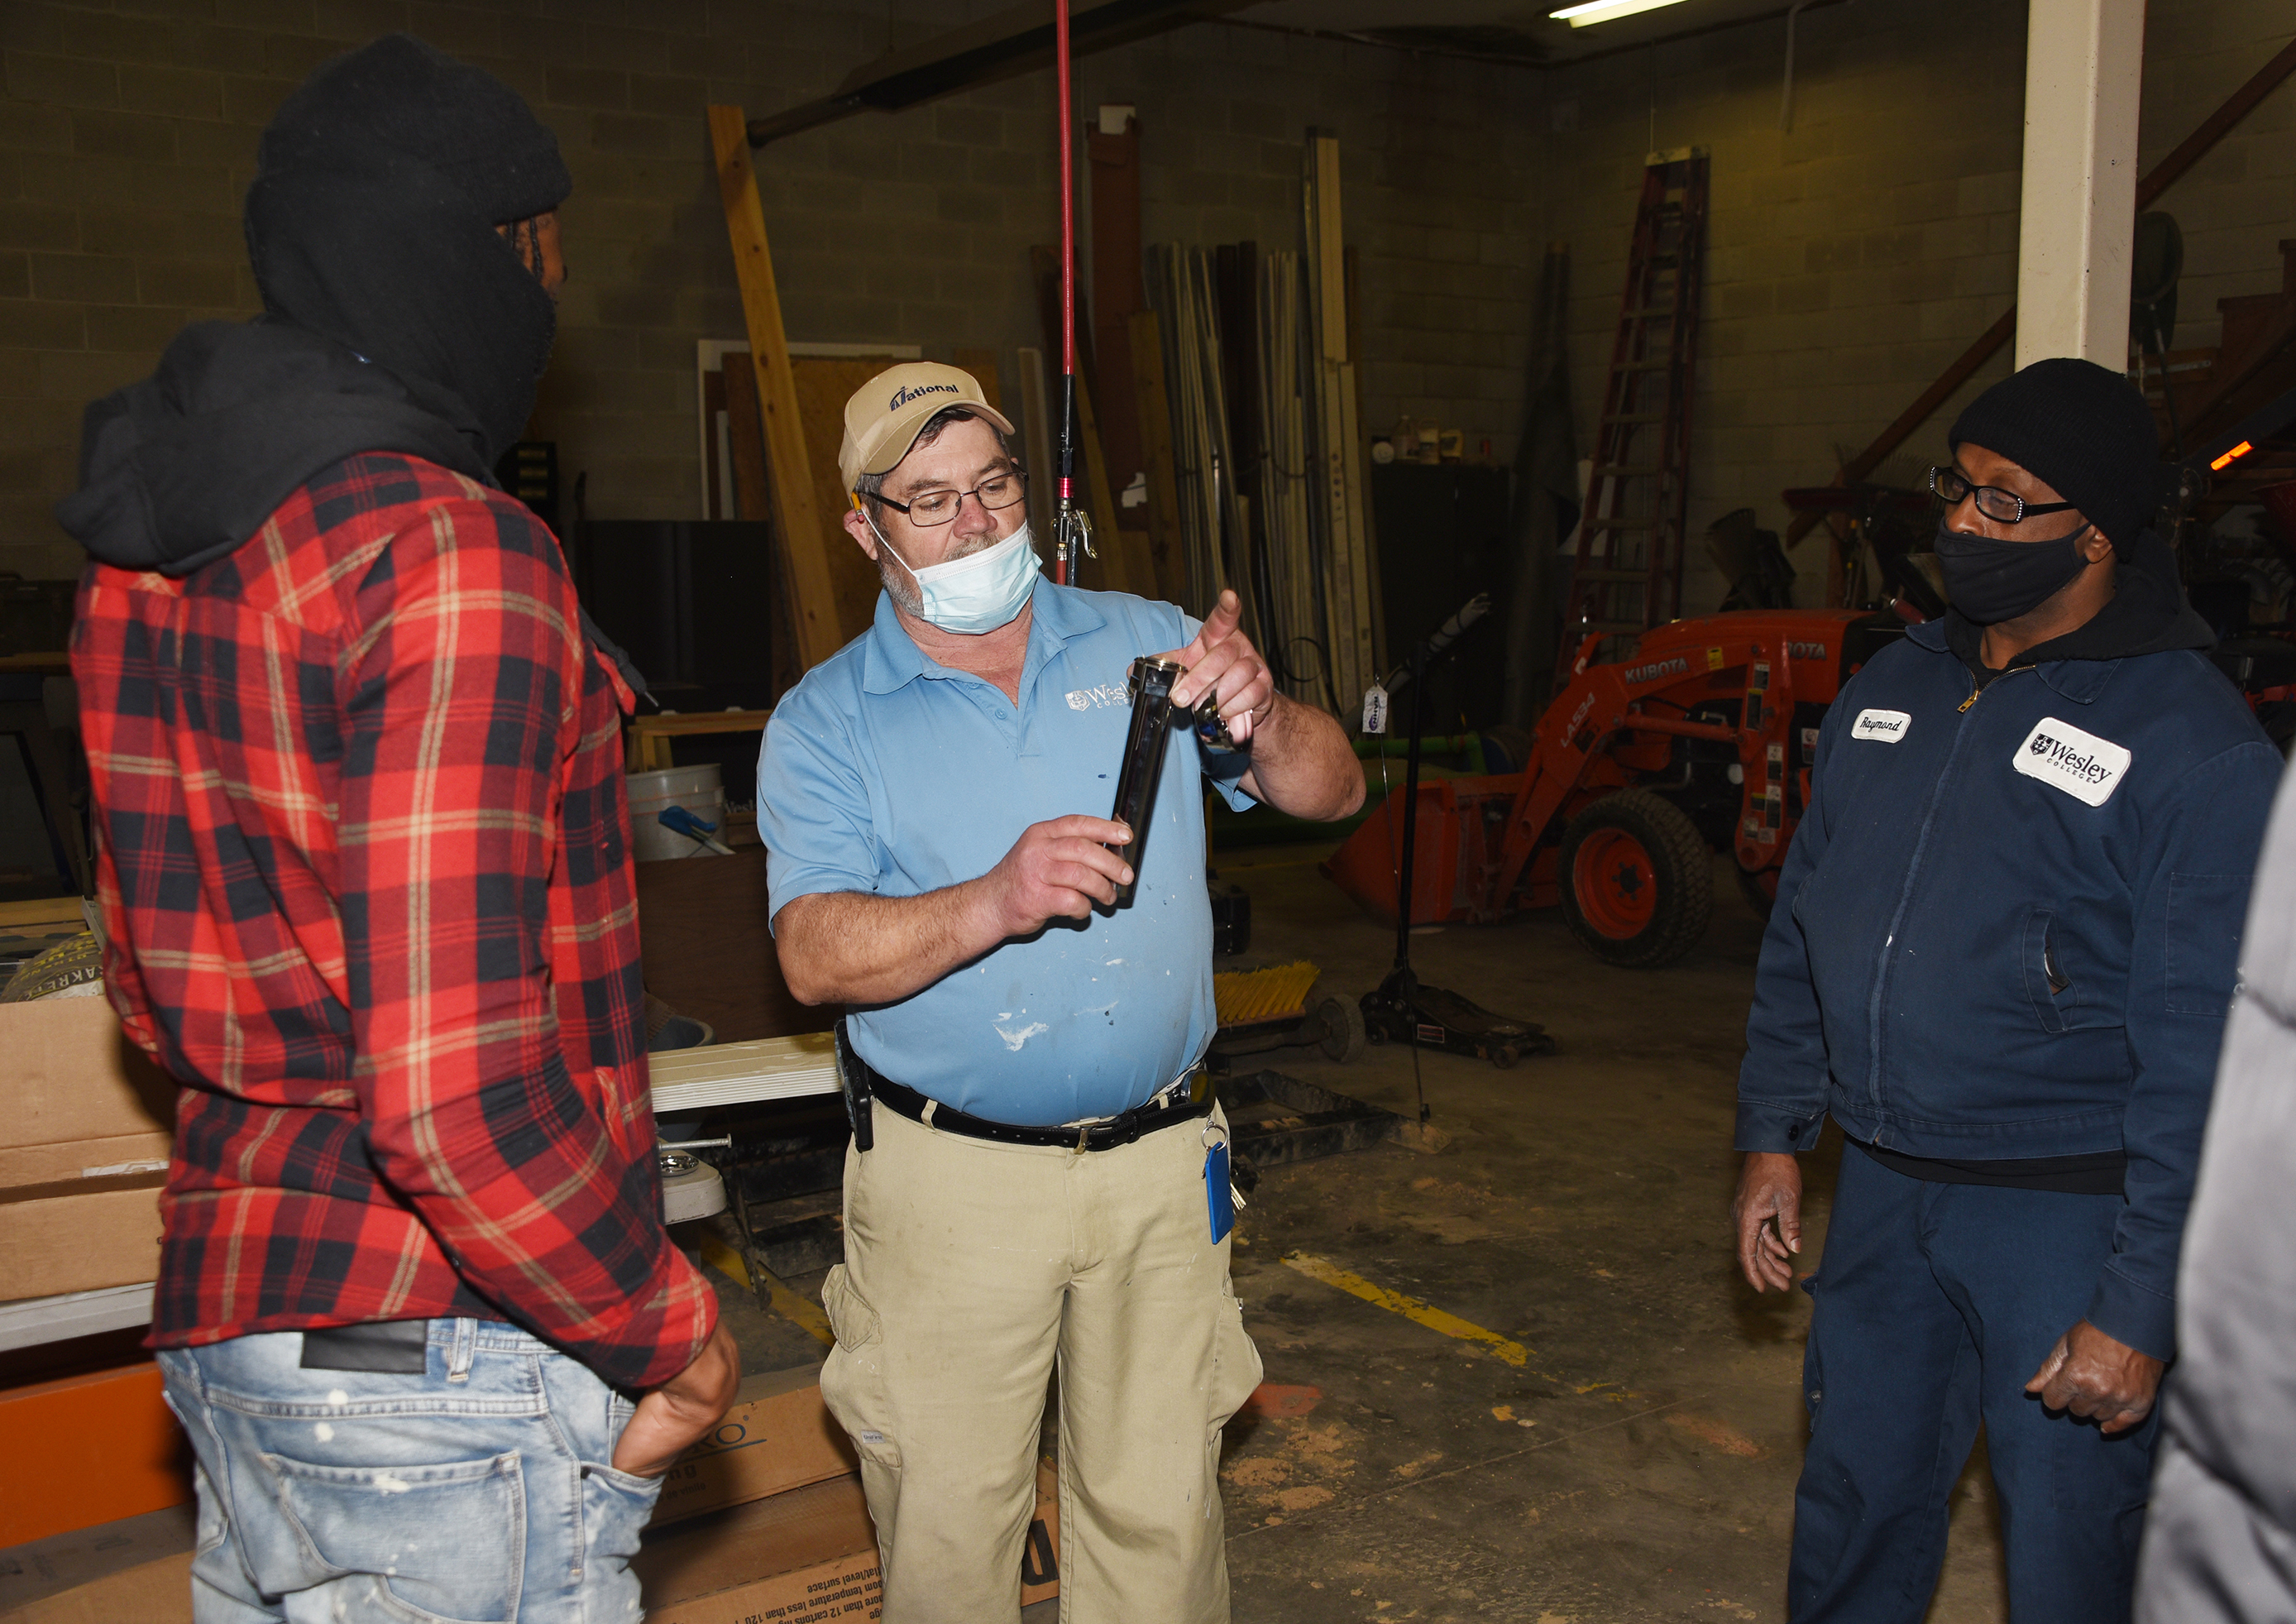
(1952, 488)
(995, 493)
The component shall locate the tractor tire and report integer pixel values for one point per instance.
(1637, 880)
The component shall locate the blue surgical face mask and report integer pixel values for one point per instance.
(981, 592)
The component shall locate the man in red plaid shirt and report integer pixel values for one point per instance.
(366, 875)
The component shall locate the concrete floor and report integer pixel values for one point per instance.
(1640, 1464)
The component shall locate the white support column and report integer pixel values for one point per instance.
(2084, 64)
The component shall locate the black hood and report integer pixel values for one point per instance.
(397, 318)
(2147, 614)
(177, 470)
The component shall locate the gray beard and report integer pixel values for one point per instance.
(902, 590)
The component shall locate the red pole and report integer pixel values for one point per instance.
(1066, 524)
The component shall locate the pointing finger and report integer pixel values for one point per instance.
(1223, 621)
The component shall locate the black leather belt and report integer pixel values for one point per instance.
(1175, 1104)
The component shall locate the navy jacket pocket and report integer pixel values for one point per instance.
(2048, 988)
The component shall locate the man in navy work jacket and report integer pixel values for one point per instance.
(2001, 958)
(1039, 1172)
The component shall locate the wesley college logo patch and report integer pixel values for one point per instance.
(2083, 766)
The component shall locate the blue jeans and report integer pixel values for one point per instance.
(1935, 1305)
(478, 1492)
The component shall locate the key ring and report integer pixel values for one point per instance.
(1205, 1138)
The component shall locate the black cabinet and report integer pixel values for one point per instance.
(1442, 538)
(690, 600)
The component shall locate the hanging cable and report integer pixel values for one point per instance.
(1071, 528)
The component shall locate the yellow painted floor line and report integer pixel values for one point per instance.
(784, 1302)
(1410, 1308)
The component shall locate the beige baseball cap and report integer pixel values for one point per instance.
(882, 419)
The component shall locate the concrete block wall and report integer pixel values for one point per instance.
(1441, 196)
(1853, 256)
(127, 136)
(1850, 260)
(2240, 200)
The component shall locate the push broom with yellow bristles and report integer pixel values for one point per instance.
(1268, 1009)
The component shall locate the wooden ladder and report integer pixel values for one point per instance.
(1627, 576)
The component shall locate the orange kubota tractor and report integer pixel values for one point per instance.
(1701, 741)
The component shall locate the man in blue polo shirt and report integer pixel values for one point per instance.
(1031, 1184)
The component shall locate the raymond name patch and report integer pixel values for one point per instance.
(2083, 766)
(1888, 727)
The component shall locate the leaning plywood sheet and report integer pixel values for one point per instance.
(823, 385)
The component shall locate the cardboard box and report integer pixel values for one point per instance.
(85, 1124)
(799, 1557)
(75, 1095)
(778, 1437)
(808, 1556)
(80, 1235)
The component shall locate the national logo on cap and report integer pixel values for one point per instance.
(885, 415)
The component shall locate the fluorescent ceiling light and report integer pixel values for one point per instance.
(1603, 10)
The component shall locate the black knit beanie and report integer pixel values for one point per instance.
(402, 95)
(371, 222)
(2081, 428)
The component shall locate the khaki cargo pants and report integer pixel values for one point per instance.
(969, 1267)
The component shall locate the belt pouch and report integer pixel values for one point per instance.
(853, 1073)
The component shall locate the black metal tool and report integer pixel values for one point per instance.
(1151, 681)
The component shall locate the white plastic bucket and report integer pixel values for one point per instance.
(700, 789)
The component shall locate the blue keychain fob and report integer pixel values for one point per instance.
(1217, 1196)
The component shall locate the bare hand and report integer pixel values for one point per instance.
(2099, 1378)
(1220, 659)
(1769, 1187)
(1056, 870)
(681, 1410)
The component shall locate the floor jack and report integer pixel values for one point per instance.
(1400, 1009)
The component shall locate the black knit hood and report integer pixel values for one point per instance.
(396, 317)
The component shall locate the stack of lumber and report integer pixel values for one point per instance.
(1267, 447)
(1338, 495)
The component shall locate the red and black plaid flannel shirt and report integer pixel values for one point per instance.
(364, 869)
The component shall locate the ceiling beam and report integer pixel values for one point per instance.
(1013, 42)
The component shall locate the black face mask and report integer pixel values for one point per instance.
(1991, 581)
